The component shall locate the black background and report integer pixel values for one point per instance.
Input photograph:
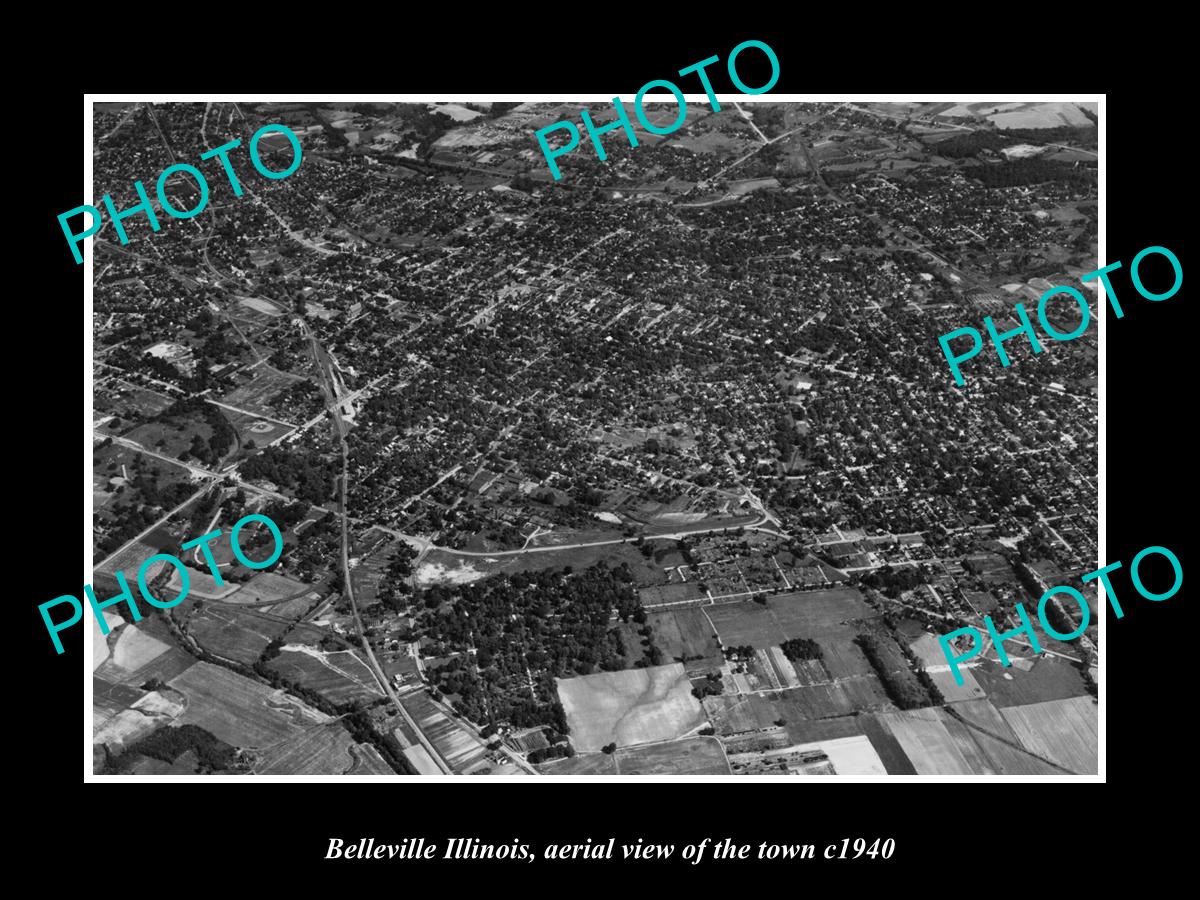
(950, 832)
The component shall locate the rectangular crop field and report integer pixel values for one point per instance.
(691, 756)
(339, 676)
(320, 750)
(686, 634)
(1064, 731)
(232, 633)
(241, 712)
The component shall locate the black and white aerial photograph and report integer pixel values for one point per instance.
(656, 468)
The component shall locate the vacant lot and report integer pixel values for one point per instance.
(1065, 731)
(255, 395)
(636, 706)
(692, 756)
(241, 712)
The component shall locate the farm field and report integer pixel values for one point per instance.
(133, 648)
(933, 746)
(231, 633)
(241, 712)
(885, 746)
(832, 618)
(691, 756)
(581, 764)
(142, 665)
(851, 755)
(660, 594)
(1006, 759)
(340, 676)
(635, 706)
(685, 633)
(823, 701)
(454, 743)
(321, 750)
(1065, 731)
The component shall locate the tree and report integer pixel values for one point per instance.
(609, 748)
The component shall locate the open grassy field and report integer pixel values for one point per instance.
(241, 712)
(231, 633)
(321, 750)
(658, 594)
(255, 395)
(840, 698)
(267, 587)
(736, 713)
(746, 623)
(1050, 678)
(133, 648)
(834, 618)
(254, 428)
(142, 666)
(929, 651)
(635, 706)
(691, 756)
(128, 402)
(686, 633)
(339, 676)
(1065, 731)
(581, 764)
(171, 438)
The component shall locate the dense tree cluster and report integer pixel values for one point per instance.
(801, 648)
(512, 636)
(1031, 170)
(307, 475)
(902, 686)
(168, 744)
(710, 684)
